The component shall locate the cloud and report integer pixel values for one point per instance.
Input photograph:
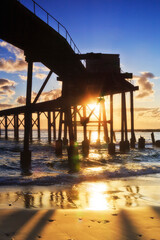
(19, 54)
(148, 113)
(40, 75)
(45, 96)
(39, 68)
(6, 88)
(23, 77)
(18, 64)
(21, 100)
(3, 105)
(50, 95)
(145, 86)
(7, 82)
(11, 66)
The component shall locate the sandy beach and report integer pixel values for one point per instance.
(127, 214)
(139, 223)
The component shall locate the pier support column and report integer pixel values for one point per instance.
(38, 126)
(99, 123)
(16, 127)
(6, 127)
(75, 123)
(31, 133)
(106, 139)
(58, 143)
(133, 140)
(85, 142)
(26, 153)
(125, 124)
(73, 156)
(124, 143)
(49, 126)
(54, 125)
(65, 140)
(0, 127)
(111, 145)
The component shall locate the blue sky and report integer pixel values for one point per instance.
(126, 27)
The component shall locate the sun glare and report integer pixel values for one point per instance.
(94, 136)
(97, 198)
(95, 107)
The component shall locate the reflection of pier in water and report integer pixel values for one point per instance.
(95, 196)
(101, 76)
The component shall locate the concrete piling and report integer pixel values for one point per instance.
(58, 147)
(153, 139)
(85, 147)
(141, 143)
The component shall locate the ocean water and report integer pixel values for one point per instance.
(48, 169)
(104, 181)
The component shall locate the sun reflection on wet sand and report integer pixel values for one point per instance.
(97, 198)
(99, 195)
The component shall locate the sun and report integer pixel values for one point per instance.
(95, 107)
(94, 136)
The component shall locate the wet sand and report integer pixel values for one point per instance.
(131, 224)
(127, 209)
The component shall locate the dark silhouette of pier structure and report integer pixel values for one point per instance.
(100, 76)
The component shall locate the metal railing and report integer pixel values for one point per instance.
(67, 36)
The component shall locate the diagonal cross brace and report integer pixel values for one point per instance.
(43, 86)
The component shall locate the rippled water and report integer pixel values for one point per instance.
(48, 169)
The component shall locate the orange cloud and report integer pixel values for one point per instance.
(23, 77)
(6, 88)
(12, 49)
(45, 96)
(19, 64)
(40, 75)
(145, 86)
(3, 105)
(11, 66)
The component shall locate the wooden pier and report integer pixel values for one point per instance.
(81, 84)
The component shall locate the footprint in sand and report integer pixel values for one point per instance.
(51, 220)
(106, 221)
(114, 214)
